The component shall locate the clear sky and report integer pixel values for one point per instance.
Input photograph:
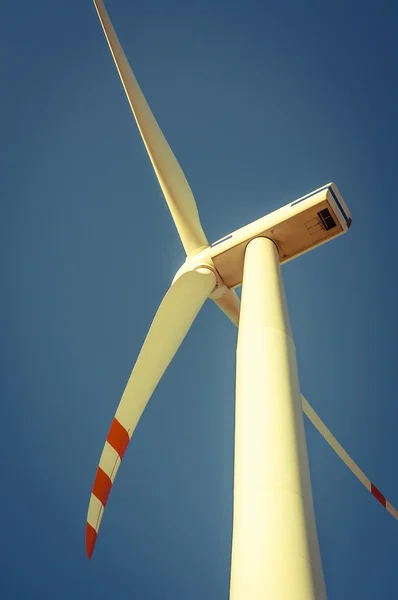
(262, 103)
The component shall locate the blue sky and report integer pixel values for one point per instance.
(261, 103)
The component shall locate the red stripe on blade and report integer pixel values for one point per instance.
(377, 494)
(102, 486)
(118, 437)
(91, 538)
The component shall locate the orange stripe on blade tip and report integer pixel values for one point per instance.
(118, 437)
(377, 494)
(102, 486)
(91, 538)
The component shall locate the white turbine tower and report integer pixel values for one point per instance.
(275, 553)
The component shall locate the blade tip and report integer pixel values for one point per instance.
(91, 538)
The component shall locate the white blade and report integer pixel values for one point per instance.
(230, 305)
(172, 180)
(323, 430)
(172, 321)
(347, 460)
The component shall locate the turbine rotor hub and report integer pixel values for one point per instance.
(202, 262)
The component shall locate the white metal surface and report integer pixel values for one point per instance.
(275, 553)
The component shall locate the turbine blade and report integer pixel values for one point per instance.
(172, 321)
(230, 305)
(331, 440)
(346, 458)
(172, 180)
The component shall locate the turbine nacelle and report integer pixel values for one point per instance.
(295, 229)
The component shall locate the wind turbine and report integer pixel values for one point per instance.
(275, 552)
